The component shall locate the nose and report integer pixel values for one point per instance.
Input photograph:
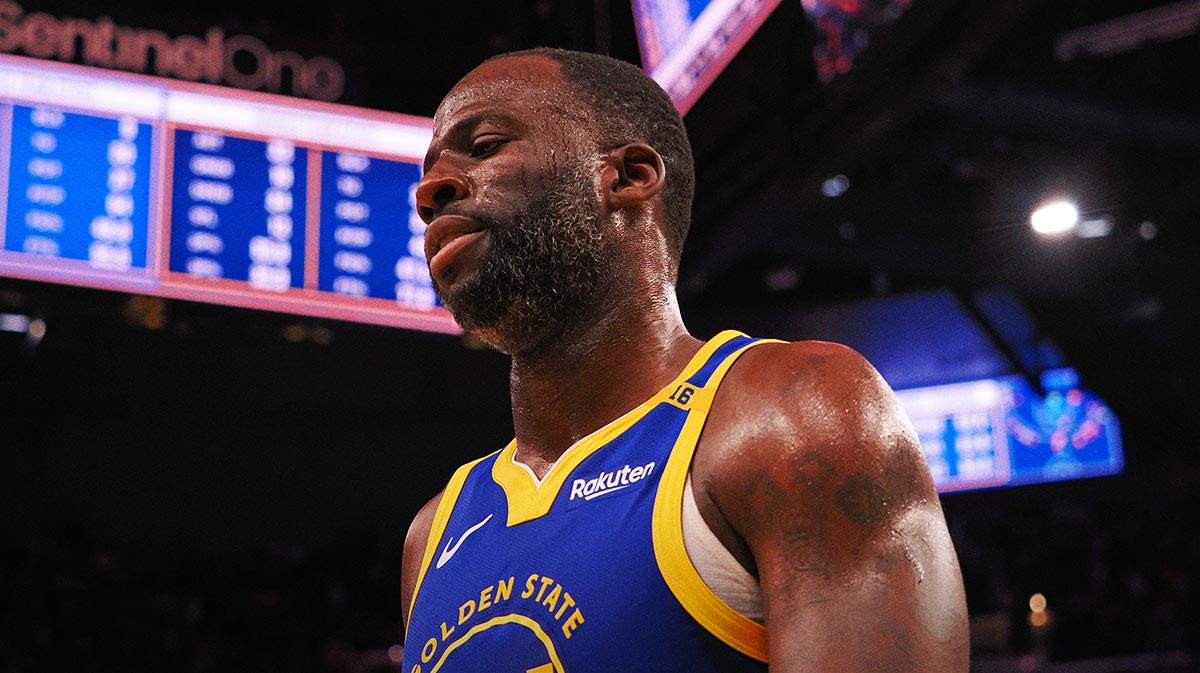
(438, 188)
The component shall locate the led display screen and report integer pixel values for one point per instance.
(1002, 432)
(191, 191)
(685, 44)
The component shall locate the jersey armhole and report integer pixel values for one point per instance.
(441, 517)
(697, 598)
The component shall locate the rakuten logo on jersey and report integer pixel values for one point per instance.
(609, 482)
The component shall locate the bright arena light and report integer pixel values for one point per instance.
(1056, 217)
(835, 186)
(14, 322)
(37, 331)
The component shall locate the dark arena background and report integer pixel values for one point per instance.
(997, 202)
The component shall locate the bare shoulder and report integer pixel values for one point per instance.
(811, 425)
(811, 462)
(809, 372)
(812, 394)
(414, 551)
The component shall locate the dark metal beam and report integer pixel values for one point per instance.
(1016, 108)
(997, 338)
(859, 112)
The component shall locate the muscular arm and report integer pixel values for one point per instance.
(815, 468)
(414, 550)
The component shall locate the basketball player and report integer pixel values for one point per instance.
(668, 504)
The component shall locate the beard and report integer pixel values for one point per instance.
(545, 269)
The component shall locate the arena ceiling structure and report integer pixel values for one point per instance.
(905, 175)
(951, 128)
(916, 169)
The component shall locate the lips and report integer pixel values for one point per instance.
(446, 237)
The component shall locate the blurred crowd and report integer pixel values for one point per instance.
(1112, 576)
(1118, 579)
(73, 603)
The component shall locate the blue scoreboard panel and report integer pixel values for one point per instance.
(195, 192)
(685, 44)
(1002, 432)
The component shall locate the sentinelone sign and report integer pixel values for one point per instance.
(242, 61)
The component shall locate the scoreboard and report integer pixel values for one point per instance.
(685, 44)
(195, 192)
(1000, 432)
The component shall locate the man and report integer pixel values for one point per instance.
(645, 519)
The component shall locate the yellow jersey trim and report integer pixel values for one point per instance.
(441, 517)
(728, 625)
(555, 663)
(528, 500)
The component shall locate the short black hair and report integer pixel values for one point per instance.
(631, 107)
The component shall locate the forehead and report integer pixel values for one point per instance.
(517, 85)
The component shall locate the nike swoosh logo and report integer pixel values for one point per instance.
(449, 551)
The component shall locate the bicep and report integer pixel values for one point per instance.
(835, 501)
(894, 603)
(414, 551)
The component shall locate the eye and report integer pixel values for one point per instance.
(486, 144)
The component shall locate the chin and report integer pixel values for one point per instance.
(494, 341)
(507, 338)
(511, 332)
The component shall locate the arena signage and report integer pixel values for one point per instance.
(242, 61)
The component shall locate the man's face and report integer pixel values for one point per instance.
(515, 243)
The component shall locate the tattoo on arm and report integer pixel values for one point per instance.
(861, 498)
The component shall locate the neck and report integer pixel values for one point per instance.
(585, 376)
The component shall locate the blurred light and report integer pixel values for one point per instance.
(14, 322)
(1039, 619)
(299, 332)
(1097, 228)
(35, 333)
(1060, 379)
(783, 278)
(144, 311)
(1147, 309)
(1147, 230)
(1037, 602)
(835, 186)
(396, 653)
(321, 335)
(1056, 217)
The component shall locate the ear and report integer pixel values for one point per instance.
(634, 175)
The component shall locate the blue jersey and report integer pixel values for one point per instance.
(585, 572)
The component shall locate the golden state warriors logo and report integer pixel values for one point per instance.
(483, 637)
(513, 643)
